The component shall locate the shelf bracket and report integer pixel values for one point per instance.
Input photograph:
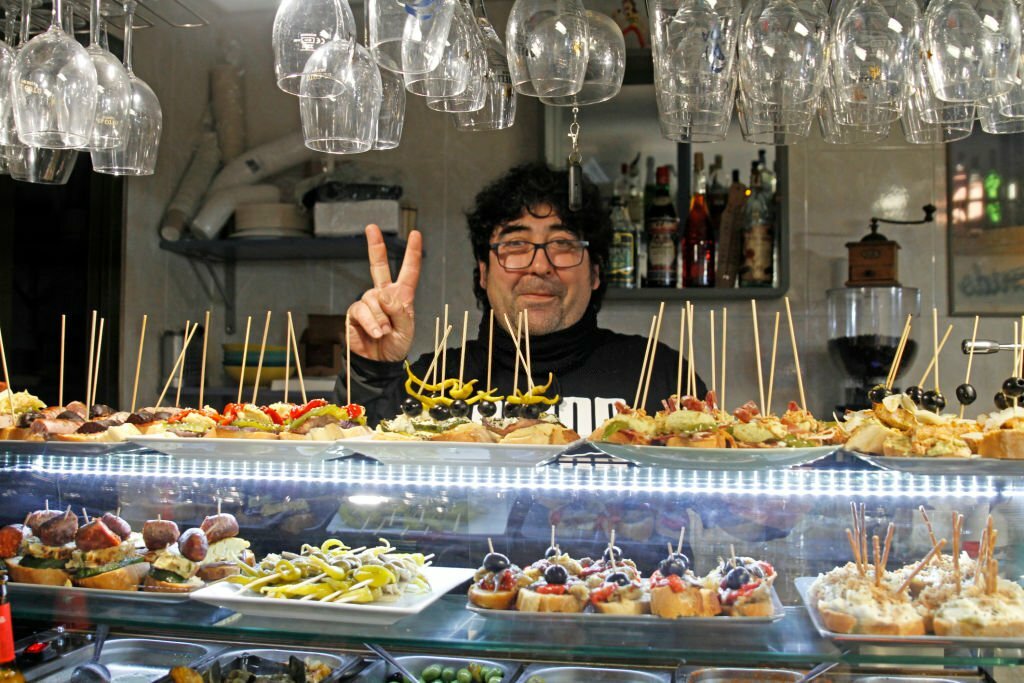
(225, 289)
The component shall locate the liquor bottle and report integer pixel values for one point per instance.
(718, 196)
(9, 671)
(758, 234)
(621, 187)
(699, 238)
(730, 234)
(769, 180)
(662, 234)
(622, 255)
(649, 187)
(635, 200)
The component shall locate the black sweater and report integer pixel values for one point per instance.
(587, 362)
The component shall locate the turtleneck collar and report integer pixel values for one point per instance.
(557, 352)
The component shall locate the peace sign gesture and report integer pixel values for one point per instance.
(382, 322)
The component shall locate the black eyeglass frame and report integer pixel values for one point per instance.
(538, 246)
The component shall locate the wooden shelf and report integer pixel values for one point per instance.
(351, 247)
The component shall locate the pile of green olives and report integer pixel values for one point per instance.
(473, 672)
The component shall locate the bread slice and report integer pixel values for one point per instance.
(1002, 443)
(42, 577)
(541, 433)
(532, 601)
(624, 607)
(467, 432)
(715, 439)
(124, 579)
(481, 597)
(753, 608)
(692, 602)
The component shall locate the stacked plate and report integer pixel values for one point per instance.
(261, 221)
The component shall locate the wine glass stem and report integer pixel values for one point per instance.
(129, 30)
(58, 16)
(26, 20)
(11, 27)
(95, 20)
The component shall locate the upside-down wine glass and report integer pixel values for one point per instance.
(54, 89)
(547, 44)
(113, 88)
(499, 109)
(302, 26)
(606, 64)
(137, 153)
(408, 36)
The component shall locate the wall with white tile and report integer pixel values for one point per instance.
(833, 190)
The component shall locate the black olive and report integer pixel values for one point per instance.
(531, 411)
(140, 418)
(940, 402)
(459, 408)
(70, 415)
(1003, 401)
(914, 394)
(496, 562)
(966, 394)
(618, 577)
(395, 677)
(1014, 387)
(439, 412)
(100, 410)
(878, 392)
(91, 428)
(675, 564)
(929, 399)
(412, 407)
(511, 410)
(552, 551)
(607, 555)
(737, 578)
(556, 574)
(487, 408)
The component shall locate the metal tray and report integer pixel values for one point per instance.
(578, 674)
(341, 664)
(803, 586)
(378, 670)
(717, 675)
(678, 458)
(902, 679)
(130, 660)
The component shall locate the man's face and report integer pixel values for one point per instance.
(553, 298)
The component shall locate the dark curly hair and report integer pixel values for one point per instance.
(527, 187)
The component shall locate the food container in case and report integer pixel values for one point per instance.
(578, 674)
(902, 679)
(717, 675)
(232, 658)
(130, 660)
(379, 670)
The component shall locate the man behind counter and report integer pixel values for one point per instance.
(533, 255)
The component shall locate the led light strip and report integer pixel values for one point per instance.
(793, 482)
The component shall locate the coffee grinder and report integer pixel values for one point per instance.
(866, 317)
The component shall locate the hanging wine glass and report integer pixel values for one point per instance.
(300, 27)
(995, 122)
(606, 64)
(451, 76)
(391, 118)
(921, 96)
(137, 153)
(499, 109)
(408, 37)
(472, 60)
(8, 128)
(547, 44)
(54, 89)
(344, 123)
(113, 88)
(973, 48)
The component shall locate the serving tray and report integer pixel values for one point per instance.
(945, 466)
(669, 457)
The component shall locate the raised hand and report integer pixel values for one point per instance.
(381, 323)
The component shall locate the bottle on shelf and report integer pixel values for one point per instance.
(622, 255)
(699, 237)
(730, 234)
(620, 188)
(649, 187)
(9, 671)
(758, 234)
(662, 234)
(769, 181)
(718, 195)
(635, 198)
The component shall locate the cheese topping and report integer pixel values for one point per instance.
(225, 550)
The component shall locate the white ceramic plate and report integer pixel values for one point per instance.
(715, 458)
(247, 449)
(803, 586)
(452, 452)
(229, 595)
(32, 591)
(17, 447)
(778, 612)
(945, 466)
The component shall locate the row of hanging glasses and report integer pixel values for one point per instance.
(352, 96)
(61, 98)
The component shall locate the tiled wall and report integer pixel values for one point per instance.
(833, 192)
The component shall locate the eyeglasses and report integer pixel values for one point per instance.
(520, 254)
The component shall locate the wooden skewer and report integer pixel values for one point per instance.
(490, 345)
(298, 365)
(259, 365)
(970, 359)
(958, 521)
(462, 348)
(181, 370)
(928, 524)
(654, 351)
(552, 535)
(888, 545)
(7, 380)
(202, 365)
(714, 358)
(877, 547)
(895, 367)
(526, 346)
(437, 340)
(348, 361)
(757, 354)
(99, 353)
(288, 352)
(88, 372)
(490, 545)
(796, 356)
(679, 361)
(936, 549)
(60, 385)
(771, 373)
(928, 370)
(855, 550)
(444, 353)
(935, 344)
(515, 334)
(1016, 367)
(863, 534)
(692, 381)
(437, 350)
(245, 355)
(643, 366)
(1020, 358)
(180, 360)
(679, 543)
(725, 332)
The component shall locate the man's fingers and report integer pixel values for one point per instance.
(362, 315)
(378, 252)
(371, 299)
(409, 275)
(399, 312)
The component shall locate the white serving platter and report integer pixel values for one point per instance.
(231, 596)
(453, 453)
(32, 591)
(16, 447)
(945, 466)
(245, 449)
(714, 458)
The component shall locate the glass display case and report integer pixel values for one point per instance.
(795, 519)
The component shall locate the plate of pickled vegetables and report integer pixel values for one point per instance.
(373, 585)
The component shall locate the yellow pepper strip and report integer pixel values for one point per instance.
(288, 571)
(360, 595)
(259, 583)
(377, 575)
(247, 570)
(488, 395)
(462, 390)
(331, 571)
(330, 544)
